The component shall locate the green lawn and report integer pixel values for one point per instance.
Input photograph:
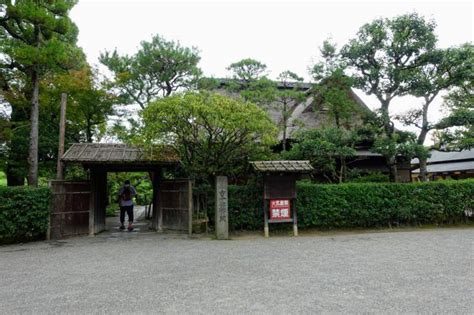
(3, 179)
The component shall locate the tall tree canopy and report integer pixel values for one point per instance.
(89, 103)
(287, 95)
(327, 149)
(159, 68)
(456, 130)
(36, 38)
(332, 91)
(439, 70)
(249, 79)
(213, 134)
(383, 57)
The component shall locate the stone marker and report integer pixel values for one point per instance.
(222, 212)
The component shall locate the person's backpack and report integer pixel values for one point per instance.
(126, 194)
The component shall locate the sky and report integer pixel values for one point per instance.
(285, 35)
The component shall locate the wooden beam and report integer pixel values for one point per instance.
(62, 132)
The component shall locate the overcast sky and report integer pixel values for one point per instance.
(285, 35)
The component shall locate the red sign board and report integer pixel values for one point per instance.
(280, 209)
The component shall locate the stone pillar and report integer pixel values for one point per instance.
(222, 211)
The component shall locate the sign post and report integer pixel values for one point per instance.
(222, 211)
(279, 194)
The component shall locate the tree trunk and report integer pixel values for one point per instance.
(422, 137)
(285, 123)
(423, 171)
(88, 131)
(342, 170)
(392, 167)
(34, 117)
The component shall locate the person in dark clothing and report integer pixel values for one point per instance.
(126, 194)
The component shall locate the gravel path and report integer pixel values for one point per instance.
(422, 271)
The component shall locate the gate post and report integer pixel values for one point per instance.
(222, 211)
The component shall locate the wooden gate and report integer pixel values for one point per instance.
(175, 205)
(70, 207)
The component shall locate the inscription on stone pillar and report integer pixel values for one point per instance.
(222, 212)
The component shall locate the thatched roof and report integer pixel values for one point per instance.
(282, 166)
(115, 154)
(304, 115)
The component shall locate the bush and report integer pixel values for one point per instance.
(245, 207)
(24, 214)
(355, 176)
(363, 205)
(377, 205)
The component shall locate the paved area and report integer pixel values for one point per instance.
(428, 271)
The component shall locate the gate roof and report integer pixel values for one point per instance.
(119, 154)
(282, 166)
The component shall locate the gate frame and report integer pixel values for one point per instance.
(101, 158)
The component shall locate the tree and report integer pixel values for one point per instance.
(89, 103)
(327, 149)
(248, 70)
(456, 131)
(37, 38)
(250, 81)
(159, 68)
(332, 91)
(213, 134)
(438, 71)
(287, 95)
(383, 57)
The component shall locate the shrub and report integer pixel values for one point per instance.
(24, 214)
(361, 205)
(376, 205)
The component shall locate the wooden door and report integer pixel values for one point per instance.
(70, 208)
(175, 205)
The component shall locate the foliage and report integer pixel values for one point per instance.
(382, 205)
(249, 80)
(3, 179)
(332, 93)
(140, 180)
(383, 59)
(248, 70)
(287, 95)
(24, 214)
(36, 38)
(159, 68)
(456, 130)
(324, 148)
(357, 176)
(213, 134)
(245, 205)
(438, 71)
(361, 205)
(88, 103)
(88, 106)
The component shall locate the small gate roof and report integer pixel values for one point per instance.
(282, 166)
(118, 154)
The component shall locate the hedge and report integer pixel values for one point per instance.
(24, 214)
(361, 205)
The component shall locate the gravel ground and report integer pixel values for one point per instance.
(418, 271)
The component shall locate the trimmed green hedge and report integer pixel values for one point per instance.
(363, 205)
(381, 205)
(24, 214)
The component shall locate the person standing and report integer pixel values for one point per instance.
(126, 194)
